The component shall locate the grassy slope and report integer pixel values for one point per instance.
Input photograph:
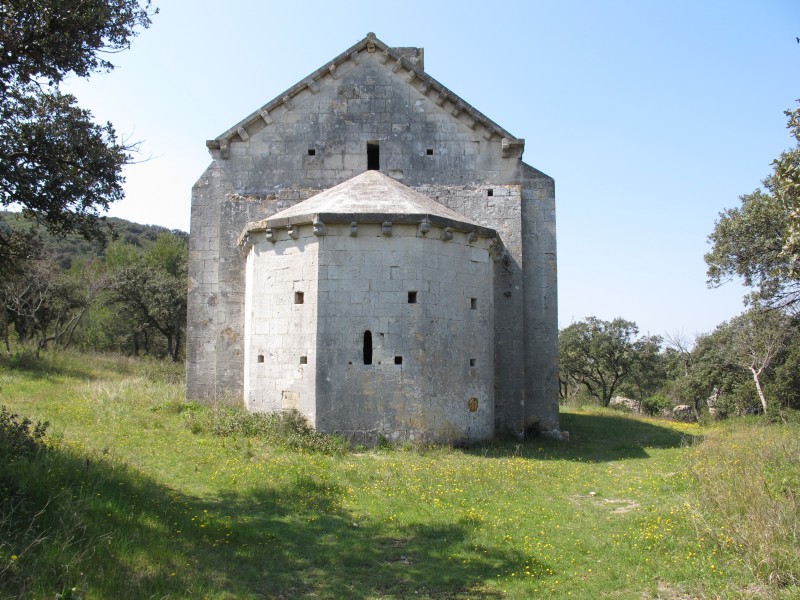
(164, 512)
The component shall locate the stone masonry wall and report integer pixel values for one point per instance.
(429, 143)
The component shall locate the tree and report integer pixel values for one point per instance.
(755, 340)
(152, 290)
(600, 355)
(56, 164)
(759, 241)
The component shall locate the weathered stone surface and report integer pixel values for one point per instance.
(376, 103)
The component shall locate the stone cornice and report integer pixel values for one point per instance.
(393, 60)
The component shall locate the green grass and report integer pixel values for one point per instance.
(137, 495)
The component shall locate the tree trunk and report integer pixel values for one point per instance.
(761, 396)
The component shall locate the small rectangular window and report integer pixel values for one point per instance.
(373, 156)
(303, 360)
(312, 151)
(412, 297)
(299, 297)
(398, 360)
(490, 192)
(472, 362)
(261, 358)
(473, 303)
(429, 152)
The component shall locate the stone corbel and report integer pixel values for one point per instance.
(319, 228)
(312, 86)
(224, 148)
(411, 76)
(513, 148)
(386, 229)
(355, 57)
(441, 98)
(269, 234)
(333, 71)
(447, 234)
(496, 249)
(424, 227)
(293, 231)
(353, 229)
(396, 66)
(472, 237)
(287, 102)
(384, 58)
(488, 132)
(457, 108)
(265, 115)
(243, 134)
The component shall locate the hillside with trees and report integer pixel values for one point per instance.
(127, 296)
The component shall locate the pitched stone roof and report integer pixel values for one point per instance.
(398, 60)
(370, 197)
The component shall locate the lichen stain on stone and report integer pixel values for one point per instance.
(229, 334)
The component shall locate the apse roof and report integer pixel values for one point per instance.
(370, 197)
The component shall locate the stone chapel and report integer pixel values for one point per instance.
(370, 250)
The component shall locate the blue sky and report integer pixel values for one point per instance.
(651, 116)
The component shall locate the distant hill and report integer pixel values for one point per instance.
(72, 247)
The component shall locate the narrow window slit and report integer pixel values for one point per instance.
(367, 347)
(261, 358)
(373, 156)
(398, 360)
(312, 151)
(303, 360)
(473, 303)
(472, 362)
(412, 297)
(490, 192)
(299, 297)
(429, 152)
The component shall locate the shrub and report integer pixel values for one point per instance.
(19, 437)
(656, 405)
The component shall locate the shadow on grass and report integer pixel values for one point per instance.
(46, 366)
(134, 538)
(594, 438)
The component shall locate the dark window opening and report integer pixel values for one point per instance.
(303, 360)
(412, 297)
(472, 362)
(373, 156)
(312, 151)
(298, 297)
(473, 303)
(261, 358)
(429, 151)
(490, 192)
(367, 347)
(398, 360)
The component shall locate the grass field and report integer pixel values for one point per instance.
(138, 495)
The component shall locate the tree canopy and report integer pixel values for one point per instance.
(56, 164)
(759, 241)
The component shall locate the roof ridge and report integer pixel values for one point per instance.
(370, 43)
